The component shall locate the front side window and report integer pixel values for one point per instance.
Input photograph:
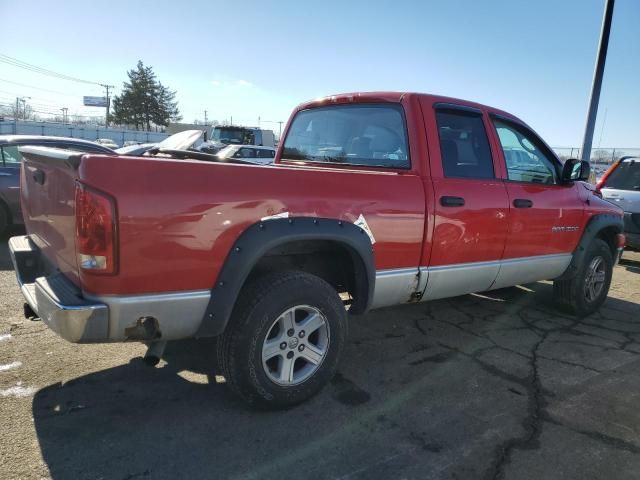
(366, 135)
(11, 157)
(525, 157)
(464, 146)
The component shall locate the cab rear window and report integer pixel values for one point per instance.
(364, 135)
(625, 177)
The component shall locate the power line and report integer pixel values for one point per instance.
(38, 88)
(44, 71)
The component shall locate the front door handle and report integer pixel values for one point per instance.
(451, 201)
(522, 203)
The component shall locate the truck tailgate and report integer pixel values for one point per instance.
(47, 189)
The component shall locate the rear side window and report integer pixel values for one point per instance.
(11, 157)
(266, 153)
(625, 177)
(464, 146)
(367, 135)
(80, 147)
(245, 153)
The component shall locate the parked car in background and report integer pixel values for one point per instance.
(374, 199)
(107, 142)
(621, 186)
(221, 136)
(260, 155)
(10, 213)
(135, 150)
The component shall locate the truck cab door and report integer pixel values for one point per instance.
(546, 217)
(471, 205)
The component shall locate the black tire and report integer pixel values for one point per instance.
(572, 295)
(260, 304)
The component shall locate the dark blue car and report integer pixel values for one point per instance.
(10, 213)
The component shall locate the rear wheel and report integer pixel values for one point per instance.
(587, 290)
(283, 343)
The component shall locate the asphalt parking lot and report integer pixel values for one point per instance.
(489, 386)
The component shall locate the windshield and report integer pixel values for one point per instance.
(229, 135)
(626, 176)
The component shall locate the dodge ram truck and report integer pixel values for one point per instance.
(375, 199)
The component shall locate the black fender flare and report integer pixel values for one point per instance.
(263, 236)
(596, 224)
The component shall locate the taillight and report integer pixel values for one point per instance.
(95, 230)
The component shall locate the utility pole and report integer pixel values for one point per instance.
(106, 117)
(24, 108)
(64, 114)
(597, 81)
(15, 116)
(205, 118)
(280, 134)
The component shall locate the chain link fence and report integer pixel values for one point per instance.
(87, 132)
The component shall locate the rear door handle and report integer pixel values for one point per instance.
(451, 201)
(522, 203)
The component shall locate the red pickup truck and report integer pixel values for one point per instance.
(375, 199)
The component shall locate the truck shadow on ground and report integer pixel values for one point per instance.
(631, 265)
(466, 387)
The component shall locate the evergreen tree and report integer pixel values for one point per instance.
(144, 101)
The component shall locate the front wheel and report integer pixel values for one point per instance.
(587, 290)
(284, 340)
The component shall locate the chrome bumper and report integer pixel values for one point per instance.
(80, 317)
(55, 299)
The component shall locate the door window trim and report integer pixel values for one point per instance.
(457, 107)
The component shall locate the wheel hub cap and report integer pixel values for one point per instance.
(304, 332)
(596, 276)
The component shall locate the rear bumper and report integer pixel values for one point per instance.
(85, 318)
(55, 299)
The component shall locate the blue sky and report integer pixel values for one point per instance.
(255, 59)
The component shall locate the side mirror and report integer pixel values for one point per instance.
(575, 170)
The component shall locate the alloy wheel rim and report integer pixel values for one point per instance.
(596, 276)
(295, 346)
